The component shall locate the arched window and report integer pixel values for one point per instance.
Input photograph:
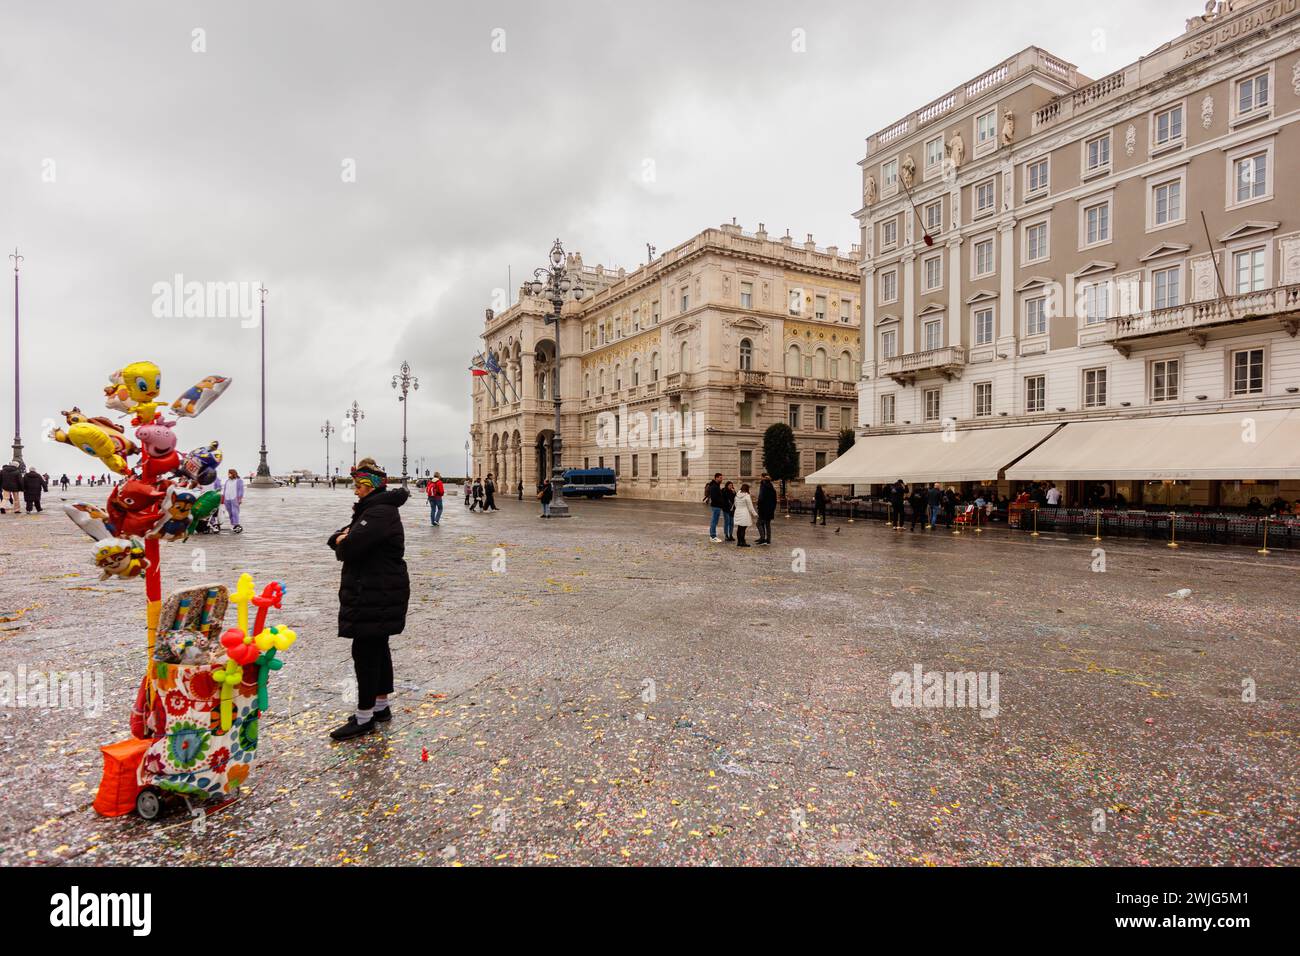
(819, 363)
(746, 355)
(654, 366)
(636, 372)
(793, 361)
(685, 357)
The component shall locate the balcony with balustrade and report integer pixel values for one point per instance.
(946, 362)
(1198, 320)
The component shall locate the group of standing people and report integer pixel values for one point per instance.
(738, 510)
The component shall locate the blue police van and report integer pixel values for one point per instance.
(589, 482)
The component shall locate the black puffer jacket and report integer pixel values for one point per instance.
(375, 587)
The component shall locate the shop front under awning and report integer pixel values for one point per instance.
(977, 454)
(1257, 445)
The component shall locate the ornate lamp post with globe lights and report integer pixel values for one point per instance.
(554, 282)
(354, 415)
(405, 382)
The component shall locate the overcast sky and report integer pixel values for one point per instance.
(229, 165)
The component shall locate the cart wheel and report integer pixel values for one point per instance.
(148, 803)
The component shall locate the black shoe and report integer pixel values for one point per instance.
(353, 729)
(384, 716)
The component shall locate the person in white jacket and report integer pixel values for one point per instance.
(746, 514)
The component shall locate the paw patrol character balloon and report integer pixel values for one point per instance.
(120, 557)
(199, 396)
(174, 525)
(133, 389)
(99, 438)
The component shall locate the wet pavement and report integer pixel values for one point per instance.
(613, 688)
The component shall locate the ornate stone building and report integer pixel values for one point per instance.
(1072, 266)
(673, 372)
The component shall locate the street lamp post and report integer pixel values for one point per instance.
(263, 478)
(18, 431)
(554, 282)
(405, 382)
(354, 415)
(327, 429)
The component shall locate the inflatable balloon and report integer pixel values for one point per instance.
(177, 507)
(97, 437)
(133, 389)
(90, 519)
(133, 507)
(120, 557)
(199, 396)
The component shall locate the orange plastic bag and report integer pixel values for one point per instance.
(118, 788)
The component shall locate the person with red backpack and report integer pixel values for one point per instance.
(435, 491)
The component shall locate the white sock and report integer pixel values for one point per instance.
(364, 716)
(381, 703)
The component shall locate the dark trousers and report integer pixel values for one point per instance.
(764, 528)
(374, 666)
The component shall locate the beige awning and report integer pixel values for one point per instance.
(1221, 445)
(966, 454)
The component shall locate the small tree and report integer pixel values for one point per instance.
(780, 455)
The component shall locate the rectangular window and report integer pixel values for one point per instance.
(1250, 173)
(1096, 223)
(1248, 372)
(886, 409)
(1096, 303)
(1036, 315)
(1252, 94)
(1169, 126)
(984, 198)
(1036, 177)
(932, 273)
(933, 154)
(983, 255)
(983, 399)
(933, 334)
(932, 404)
(934, 217)
(1167, 202)
(986, 128)
(747, 295)
(888, 286)
(1036, 242)
(888, 343)
(1097, 154)
(1035, 393)
(1094, 388)
(820, 417)
(889, 234)
(1248, 270)
(794, 416)
(1164, 380)
(746, 463)
(1166, 287)
(819, 308)
(983, 326)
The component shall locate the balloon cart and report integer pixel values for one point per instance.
(194, 727)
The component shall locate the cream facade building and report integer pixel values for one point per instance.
(673, 371)
(1085, 265)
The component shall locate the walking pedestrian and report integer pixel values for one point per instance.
(746, 514)
(933, 505)
(11, 482)
(490, 495)
(545, 496)
(766, 509)
(729, 513)
(819, 505)
(232, 496)
(716, 496)
(435, 491)
(33, 485)
(373, 593)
